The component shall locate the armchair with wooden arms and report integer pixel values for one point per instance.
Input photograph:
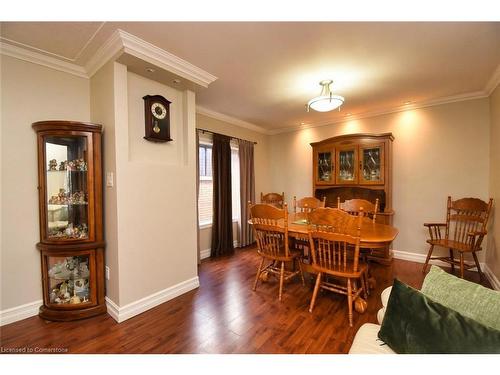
(464, 230)
(274, 199)
(270, 227)
(334, 238)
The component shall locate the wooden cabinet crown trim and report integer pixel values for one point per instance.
(359, 135)
(66, 125)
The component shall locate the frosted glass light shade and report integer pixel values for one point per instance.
(325, 103)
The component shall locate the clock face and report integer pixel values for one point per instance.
(159, 111)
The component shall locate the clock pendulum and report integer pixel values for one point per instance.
(156, 128)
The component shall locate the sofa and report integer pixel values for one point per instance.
(454, 298)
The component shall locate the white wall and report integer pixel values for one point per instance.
(102, 111)
(29, 93)
(493, 255)
(438, 151)
(156, 192)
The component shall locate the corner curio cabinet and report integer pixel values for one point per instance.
(70, 211)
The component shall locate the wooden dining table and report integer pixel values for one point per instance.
(373, 235)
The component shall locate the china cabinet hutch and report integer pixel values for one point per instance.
(70, 211)
(355, 166)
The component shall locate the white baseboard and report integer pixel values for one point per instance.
(120, 314)
(17, 313)
(416, 257)
(204, 254)
(420, 258)
(495, 283)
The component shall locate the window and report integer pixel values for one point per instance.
(206, 187)
(205, 192)
(205, 160)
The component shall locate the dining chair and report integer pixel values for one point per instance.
(464, 230)
(307, 204)
(303, 206)
(270, 226)
(274, 199)
(334, 237)
(355, 206)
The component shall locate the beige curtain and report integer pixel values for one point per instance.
(247, 189)
(197, 195)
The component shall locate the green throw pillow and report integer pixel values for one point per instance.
(414, 324)
(469, 299)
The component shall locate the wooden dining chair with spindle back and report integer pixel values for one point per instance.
(355, 206)
(274, 199)
(307, 204)
(270, 226)
(334, 238)
(303, 206)
(464, 230)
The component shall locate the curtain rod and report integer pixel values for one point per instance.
(211, 132)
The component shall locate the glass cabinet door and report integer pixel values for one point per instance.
(372, 164)
(346, 165)
(67, 187)
(69, 280)
(325, 166)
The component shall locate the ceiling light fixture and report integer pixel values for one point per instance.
(326, 101)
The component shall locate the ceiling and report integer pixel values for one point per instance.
(267, 71)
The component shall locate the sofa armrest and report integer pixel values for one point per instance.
(384, 296)
(366, 341)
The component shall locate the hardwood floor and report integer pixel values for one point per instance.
(223, 316)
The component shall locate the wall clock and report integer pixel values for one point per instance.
(157, 116)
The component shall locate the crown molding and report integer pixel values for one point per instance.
(56, 55)
(231, 120)
(493, 82)
(35, 49)
(165, 60)
(41, 59)
(386, 111)
(110, 49)
(120, 42)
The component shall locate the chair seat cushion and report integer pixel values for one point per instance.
(366, 341)
(450, 244)
(469, 299)
(415, 324)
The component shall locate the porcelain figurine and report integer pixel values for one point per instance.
(53, 165)
(75, 299)
(63, 289)
(53, 295)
